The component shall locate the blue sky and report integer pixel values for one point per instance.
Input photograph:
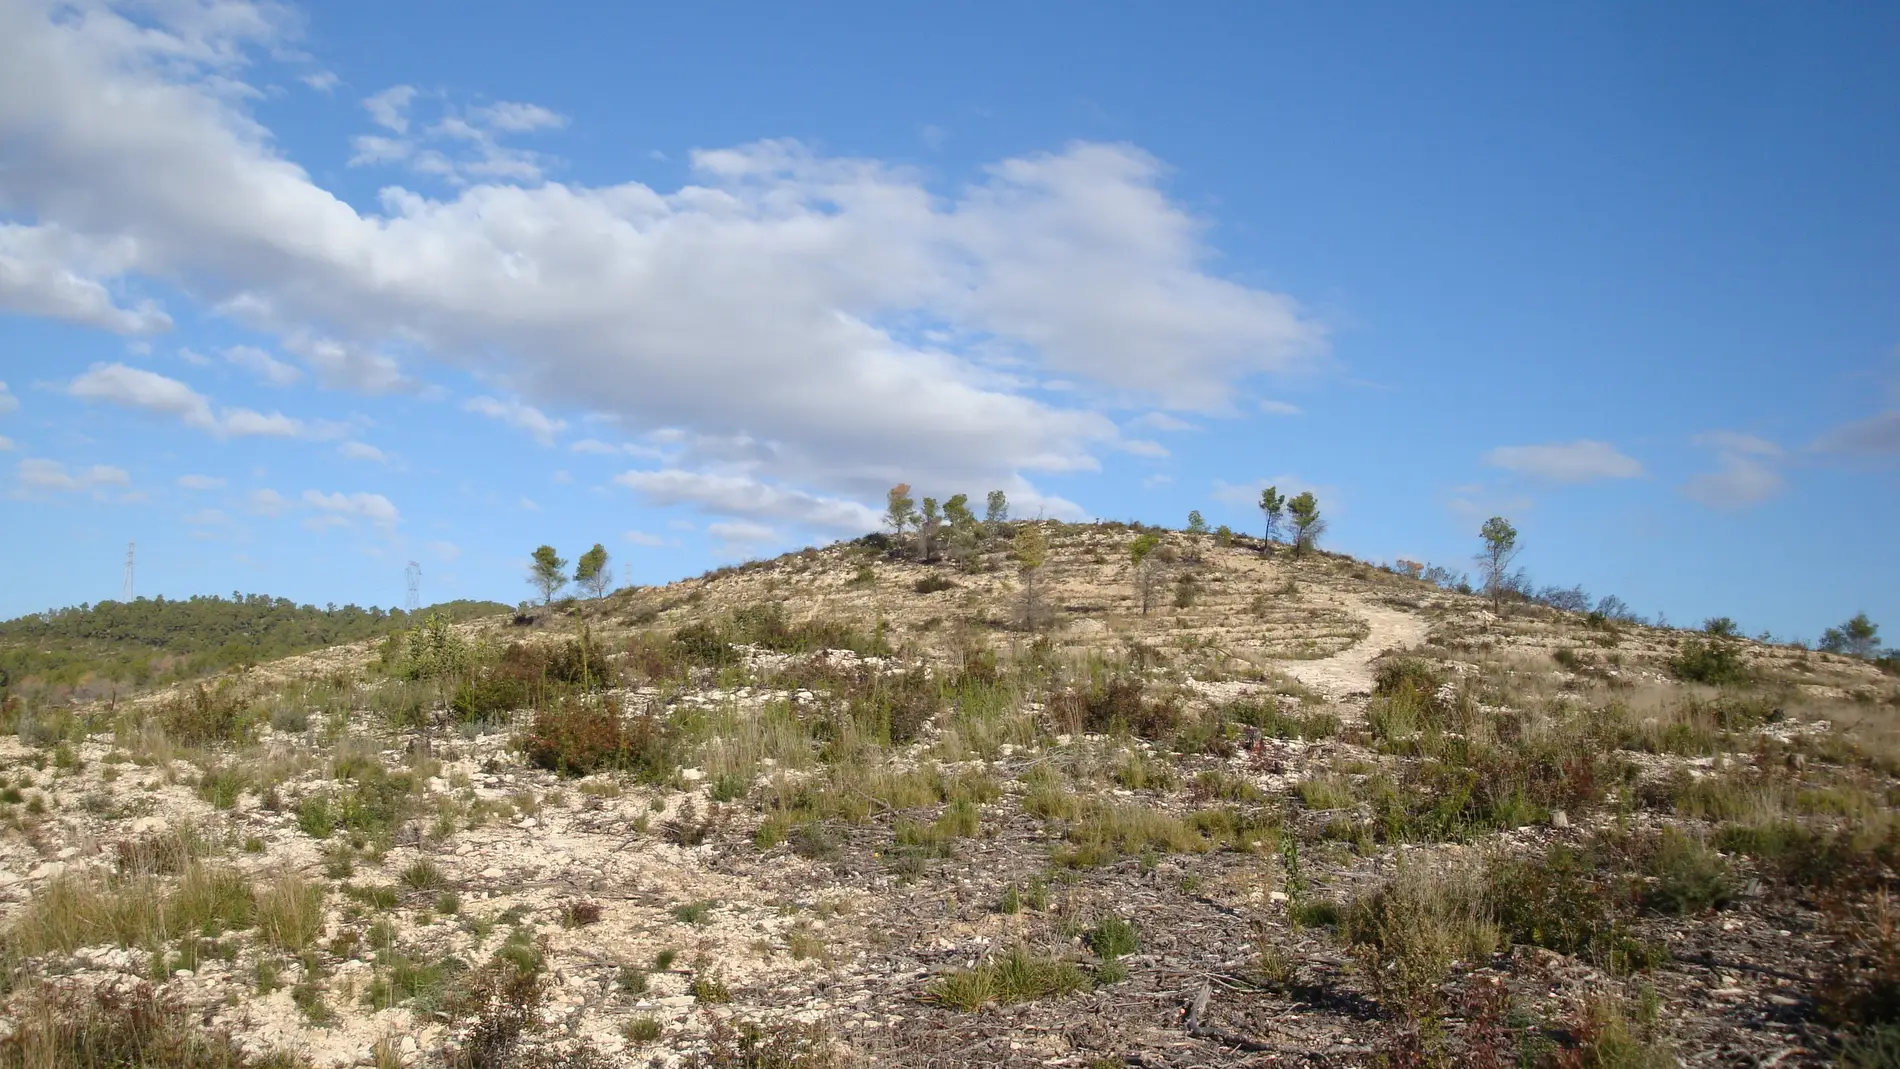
(291, 296)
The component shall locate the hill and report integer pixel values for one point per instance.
(1225, 806)
(156, 640)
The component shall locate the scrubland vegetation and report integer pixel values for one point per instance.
(978, 791)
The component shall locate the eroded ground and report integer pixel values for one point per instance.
(1298, 813)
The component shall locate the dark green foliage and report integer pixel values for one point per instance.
(160, 640)
(1112, 938)
(1273, 723)
(579, 738)
(1574, 900)
(1714, 661)
(932, 583)
(205, 715)
(1116, 704)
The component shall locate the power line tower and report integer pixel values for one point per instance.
(413, 574)
(125, 590)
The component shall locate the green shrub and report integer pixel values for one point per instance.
(1712, 661)
(576, 738)
(1113, 937)
(932, 583)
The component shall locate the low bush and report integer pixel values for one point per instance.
(1712, 660)
(580, 738)
(1118, 704)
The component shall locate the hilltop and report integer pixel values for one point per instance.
(842, 807)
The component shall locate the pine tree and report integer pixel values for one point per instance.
(592, 573)
(548, 573)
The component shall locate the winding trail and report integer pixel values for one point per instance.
(1348, 673)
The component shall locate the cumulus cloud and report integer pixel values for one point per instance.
(517, 118)
(1744, 474)
(742, 495)
(362, 451)
(364, 506)
(47, 270)
(390, 108)
(1580, 461)
(539, 425)
(772, 298)
(8, 402)
(38, 476)
(200, 482)
(268, 369)
(132, 387)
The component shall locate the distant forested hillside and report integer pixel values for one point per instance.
(153, 640)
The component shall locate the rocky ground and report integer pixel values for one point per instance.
(1265, 822)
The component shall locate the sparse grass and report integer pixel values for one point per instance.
(1407, 934)
(1017, 975)
(112, 1027)
(699, 912)
(290, 913)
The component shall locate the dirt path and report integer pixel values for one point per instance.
(1349, 672)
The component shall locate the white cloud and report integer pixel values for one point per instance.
(269, 370)
(527, 504)
(200, 482)
(373, 507)
(1280, 408)
(757, 302)
(537, 423)
(446, 552)
(137, 388)
(642, 538)
(343, 365)
(50, 476)
(267, 503)
(1579, 461)
(207, 518)
(1143, 447)
(362, 451)
(8, 402)
(6, 444)
(322, 81)
(742, 495)
(1155, 482)
(514, 118)
(389, 109)
(1743, 476)
(49, 271)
